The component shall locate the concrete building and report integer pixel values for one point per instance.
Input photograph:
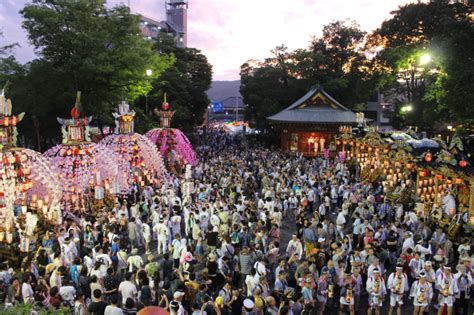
(226, 110)
(175, 25)
(379, 111)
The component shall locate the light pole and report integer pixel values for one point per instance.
(406, 108)
(413, 77)
(148, 73)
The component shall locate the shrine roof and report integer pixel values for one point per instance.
(316, 106)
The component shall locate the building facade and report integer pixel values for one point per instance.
(226, 110)
(175, 25)
(309, 124)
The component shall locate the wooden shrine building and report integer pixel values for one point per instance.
(309, 124)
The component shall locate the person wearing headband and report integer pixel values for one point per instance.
(422, 293)
(347, 294)
(447, 287)
(463, 280)
(376, 289)
(397, 284)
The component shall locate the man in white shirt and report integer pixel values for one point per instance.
(408, 242)
(67, 292)
(134, 261)
(423, 250)
(416, 265)
(398, 285)
(113, 309)
(448, 289)
(27, 290)
(177, 248)
(127, 289)
(162, 232)
(176, 223)
(294, 247)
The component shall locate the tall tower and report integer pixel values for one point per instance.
(177, 18)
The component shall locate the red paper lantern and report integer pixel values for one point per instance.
(462, 163)
(75, 113)
(165, 106)
(428, 157)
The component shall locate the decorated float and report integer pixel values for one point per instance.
(89, 173)
(172, 143)
(29, 191)
(428, 175)
(143, 162)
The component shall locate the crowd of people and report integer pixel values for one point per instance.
(253, 231)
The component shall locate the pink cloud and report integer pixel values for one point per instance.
(230, 32)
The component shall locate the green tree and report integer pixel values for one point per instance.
(5, 50)
(438, 90)
(185, 82)
(336, 61)
(82, 46)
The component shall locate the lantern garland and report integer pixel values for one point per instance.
(29, 190)
(143, 161)
(84, 168)
(171, 142)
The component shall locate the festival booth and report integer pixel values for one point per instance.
(309, 125)
(143, 162)
(172, 143)
(29, 191)
(90, 174)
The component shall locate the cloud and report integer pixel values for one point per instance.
(229, 32)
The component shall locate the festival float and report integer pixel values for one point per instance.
(29, 191)
(90, 174)
(172, 143)
(427, 175)
(144, 165)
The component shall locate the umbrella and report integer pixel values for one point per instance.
(153, 310)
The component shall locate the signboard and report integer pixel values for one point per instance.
(216, 107)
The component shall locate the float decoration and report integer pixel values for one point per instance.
(172, 143)
(142, 162)
(434, 177)
(29, 191)
(83, 167)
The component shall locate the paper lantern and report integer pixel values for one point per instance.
(173, 141)
(138, 154)
(79, 172)
(462, 163)
(26, 181)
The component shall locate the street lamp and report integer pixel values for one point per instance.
(425, 59)
(412, 75)
(148, 73)
(406, 108)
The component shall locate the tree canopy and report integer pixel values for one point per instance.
(185, 82)
(352, 66)
(334, 61)
(81, 46)
(439, 88)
